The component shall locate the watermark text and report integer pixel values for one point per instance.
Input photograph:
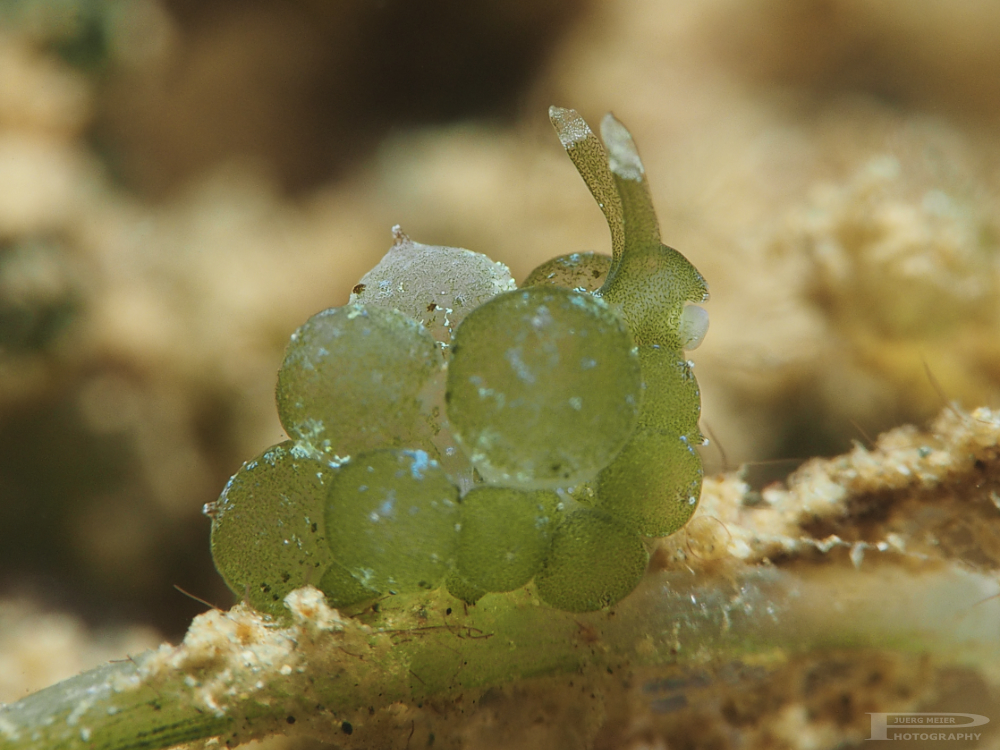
(934, 726)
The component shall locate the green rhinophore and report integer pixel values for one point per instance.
(594, 562)
(591, 161)
(543, 387)
(267, 527)
(505, 536)
(352, 379)
(392, 519)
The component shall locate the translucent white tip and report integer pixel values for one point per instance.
(622, 155)
(569, 125)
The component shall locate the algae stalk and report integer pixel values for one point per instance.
(240, 677)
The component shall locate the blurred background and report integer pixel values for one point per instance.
(184, 182)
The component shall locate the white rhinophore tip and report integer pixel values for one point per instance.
(693, 326)
(623, 157)
(569, 126)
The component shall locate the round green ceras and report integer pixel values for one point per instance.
(543, 388)
(268, 535)
(580, 271)
(392, 520)
(595, 561)
(653, 485)
(506, 534)
(352, 380)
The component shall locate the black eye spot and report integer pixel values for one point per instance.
(290, 719)
(346, 728)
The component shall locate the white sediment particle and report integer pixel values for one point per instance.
(825, 545)
(858, 554)
(308, 606)
(896, 542)
(221, 646)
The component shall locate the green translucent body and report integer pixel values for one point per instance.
(352, 378)
(392, 519)
(267, 527)
(433, 284)
(543, 387)
(441, 380)
(595, 561)
(505, 536)
(585, 271)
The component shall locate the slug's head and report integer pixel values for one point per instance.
(650, 283)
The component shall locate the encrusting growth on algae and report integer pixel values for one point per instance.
(475, 478)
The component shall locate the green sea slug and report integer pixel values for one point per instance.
(450, 429)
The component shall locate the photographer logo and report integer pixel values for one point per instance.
(926, 726)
